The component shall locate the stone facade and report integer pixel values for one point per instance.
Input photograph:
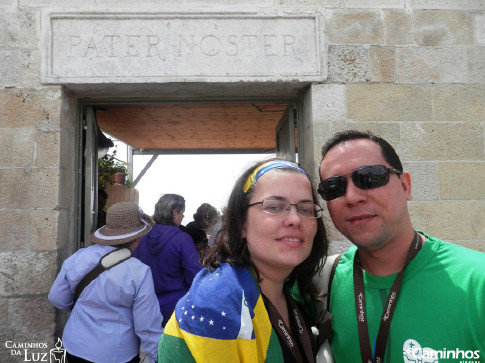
(412, 71)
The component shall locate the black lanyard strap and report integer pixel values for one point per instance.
(387, 314)
(285, 333)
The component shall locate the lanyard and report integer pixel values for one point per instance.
(285, 333)
(385, 325)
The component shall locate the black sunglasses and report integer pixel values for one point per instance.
(366, 177)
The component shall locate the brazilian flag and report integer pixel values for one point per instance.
(222, 318)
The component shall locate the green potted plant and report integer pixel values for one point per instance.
(108, 167)
(120, 174)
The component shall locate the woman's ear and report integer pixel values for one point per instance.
(243, 230)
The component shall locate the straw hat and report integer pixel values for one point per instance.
(125, 222)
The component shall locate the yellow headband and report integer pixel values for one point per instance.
(260, 170)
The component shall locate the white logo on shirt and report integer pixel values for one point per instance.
(413, 353)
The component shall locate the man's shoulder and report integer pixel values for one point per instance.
(456, 250)
(458, 260)
(347, 257)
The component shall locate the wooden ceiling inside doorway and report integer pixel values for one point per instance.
(193, 126)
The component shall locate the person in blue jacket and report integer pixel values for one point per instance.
(170, 253)
(118, 308)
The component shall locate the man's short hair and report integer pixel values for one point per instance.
(387, 150)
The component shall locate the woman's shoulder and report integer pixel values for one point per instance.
(217, 301)
(88, 255)
(166, 232)
(226, 283)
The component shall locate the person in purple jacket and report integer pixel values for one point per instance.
(170, 253)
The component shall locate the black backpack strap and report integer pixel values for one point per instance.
(106, 262)
(324, 318)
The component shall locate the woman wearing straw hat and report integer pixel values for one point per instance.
(118, 307)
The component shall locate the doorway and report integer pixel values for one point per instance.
(183, 128)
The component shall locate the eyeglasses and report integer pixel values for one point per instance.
(278, 207)
(367, 177)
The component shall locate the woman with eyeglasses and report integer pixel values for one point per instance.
(254, 301)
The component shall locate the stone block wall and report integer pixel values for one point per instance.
(412, 71)
(37, 125)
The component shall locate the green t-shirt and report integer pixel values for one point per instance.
(440, 310)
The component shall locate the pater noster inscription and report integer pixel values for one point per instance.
(114, 46)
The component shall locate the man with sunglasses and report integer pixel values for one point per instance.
(398, 295)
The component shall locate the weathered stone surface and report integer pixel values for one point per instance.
(476, 64)
(364, 4)
(418, 65)
(459, 103)
(453, 65)
(432, 65)
(17, 146)
(325, 3)
(388, 102)
(29, 68)
(451, 223)
(47, 148)
(26, 272)
(480, 29)
(477, 211)
(22, 27)
(398, 27)
(462, 181)
(382, 64)
(348, 63)
(322, 131)
(44, 230)
(8, 4)
(440, 4)
(328, 101)
(424, 180)
(148, 48)
(9, 68)
(31, 320)
(239, 3)
(390, 131)
(5, 355)
(123, 4)
(14, 229)
(27, 107)
(443, 27)
(89, 4)
(442, 141)
(3, 30)
(354, 27)
(29, 188)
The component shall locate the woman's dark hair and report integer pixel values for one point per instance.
(387, 150)
(231, 247)
(205, 214)
(165, 206)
